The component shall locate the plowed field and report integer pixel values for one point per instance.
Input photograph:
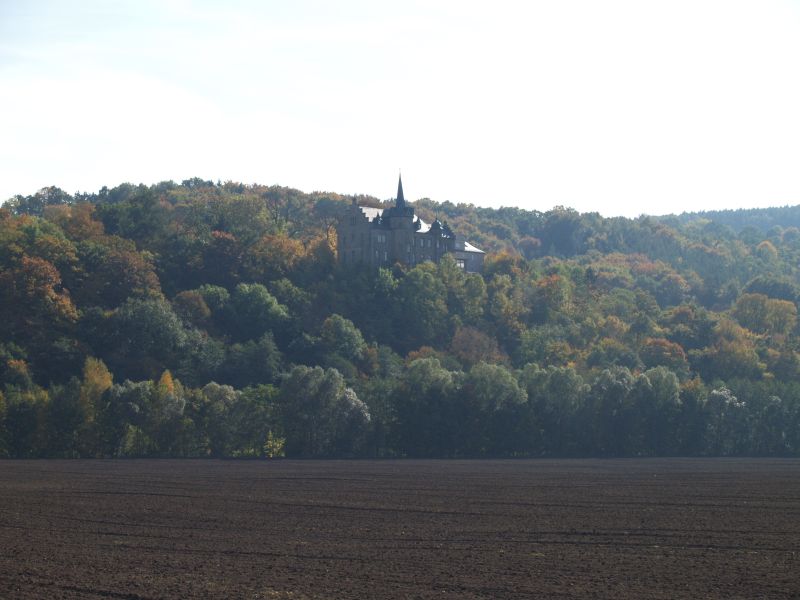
(406, 529)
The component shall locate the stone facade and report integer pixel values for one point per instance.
(382, 237)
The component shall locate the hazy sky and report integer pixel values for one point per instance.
(609, 106)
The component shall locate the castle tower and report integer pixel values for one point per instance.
(401, 201)
(400, 219)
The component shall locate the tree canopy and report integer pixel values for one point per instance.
(203, 319)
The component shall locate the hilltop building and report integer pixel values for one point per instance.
(381, 237)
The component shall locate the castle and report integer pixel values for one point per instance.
(381, 237)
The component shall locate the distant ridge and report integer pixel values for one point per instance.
(762, 219)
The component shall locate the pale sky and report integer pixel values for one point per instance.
(610, 106)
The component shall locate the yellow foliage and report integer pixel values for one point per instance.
(274, 446)
(614, 327)
(96, 380)
(166, 385)
(767, 251)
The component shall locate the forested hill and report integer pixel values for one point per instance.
(202, 319)
(759, 219)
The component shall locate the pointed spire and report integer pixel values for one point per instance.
(401, 201)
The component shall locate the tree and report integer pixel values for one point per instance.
(202, 358)
(114, 272)
(25, 422)
(781, 317)
(661, 352)
(507, 309)
(766, 251)
(340, 336)
(95, 381)
(190, 306)
(77, 220)
(733, 354)
(254, 312)
(217, 402)
(780, 288)
(556, 403)
(545, 345)
(726, 434)
(614, 411)
(493, 408)
(141, 216)
(321, 415)
(427, 418)
(659, 410)
(36, 204)
(466, 292)
(251, 363)
(562, 233)
(142, 418)
(471, 346)
(273, 257)
(66, 419)
(769, 428)
(751, 312)
(165, 414)
(37, 313)
(33, 300)
(3, 428)
(611, 352)
(254, 418)
(221, 258)
(551, 294)
(143, 337)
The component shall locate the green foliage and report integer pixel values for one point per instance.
(491, 407)
(234, 332)
(339, 336)
(254, 312)
(143, 337)
(425, 411)
(557, 415)
(321, 416)
(251, 363)
(420, 312)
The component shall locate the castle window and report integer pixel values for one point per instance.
(460, 263)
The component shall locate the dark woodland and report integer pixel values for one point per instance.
(202, 319)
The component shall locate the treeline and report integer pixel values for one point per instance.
(422, 410)
(761, 220)
(203, 319)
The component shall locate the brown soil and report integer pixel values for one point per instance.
(406, 529)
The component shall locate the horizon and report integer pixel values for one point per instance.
(621, 109)
(423, 198)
